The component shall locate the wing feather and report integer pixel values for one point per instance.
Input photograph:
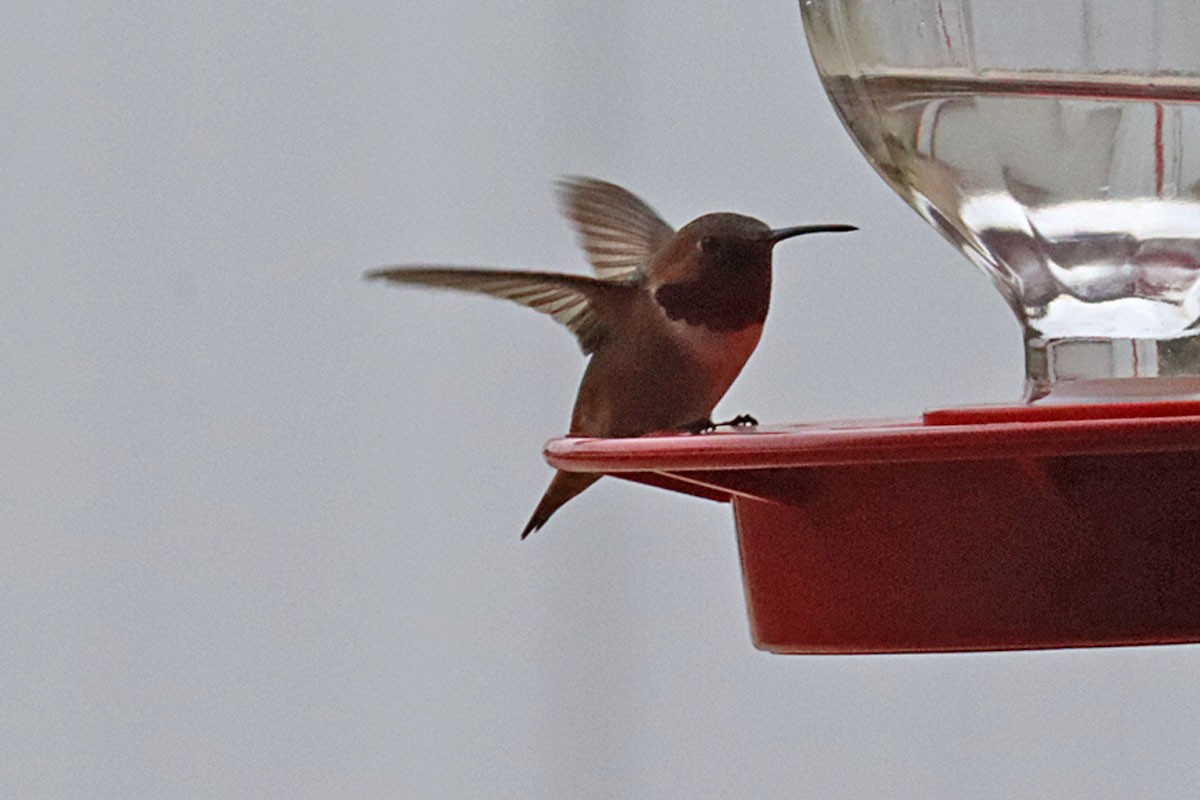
(619, 232)
(588, 307)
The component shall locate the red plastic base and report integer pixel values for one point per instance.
(973, 529)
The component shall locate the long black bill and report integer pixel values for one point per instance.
(779, 234)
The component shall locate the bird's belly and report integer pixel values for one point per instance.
(721, 354)
(659, 382)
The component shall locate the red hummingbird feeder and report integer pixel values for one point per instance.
(1056, 151)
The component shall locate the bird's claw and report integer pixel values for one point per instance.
(706, 425)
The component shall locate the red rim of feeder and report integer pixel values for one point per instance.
(975, 528)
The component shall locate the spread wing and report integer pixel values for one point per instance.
(588, 307)
(618, 231)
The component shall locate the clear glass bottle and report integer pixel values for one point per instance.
(1057, 145)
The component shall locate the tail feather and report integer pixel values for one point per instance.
(564, 486)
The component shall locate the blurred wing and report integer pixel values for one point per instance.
(619, 232)
(586, 306)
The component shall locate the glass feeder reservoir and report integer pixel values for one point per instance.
(1057, 145)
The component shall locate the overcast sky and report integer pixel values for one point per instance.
(260, 517)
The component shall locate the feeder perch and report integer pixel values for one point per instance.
(969, 529)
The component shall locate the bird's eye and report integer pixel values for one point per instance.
(710, 244)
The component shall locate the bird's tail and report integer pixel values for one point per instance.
(564, 486)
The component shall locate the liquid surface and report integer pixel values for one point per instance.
(1078, 195)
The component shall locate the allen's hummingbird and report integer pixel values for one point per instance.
(669, 320)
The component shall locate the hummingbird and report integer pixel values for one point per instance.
(668, 320)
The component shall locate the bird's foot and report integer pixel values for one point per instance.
(706, 425)
(702, 425)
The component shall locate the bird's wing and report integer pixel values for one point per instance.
(619, 232)
(588, 307)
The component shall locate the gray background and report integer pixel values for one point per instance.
(260, 517)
